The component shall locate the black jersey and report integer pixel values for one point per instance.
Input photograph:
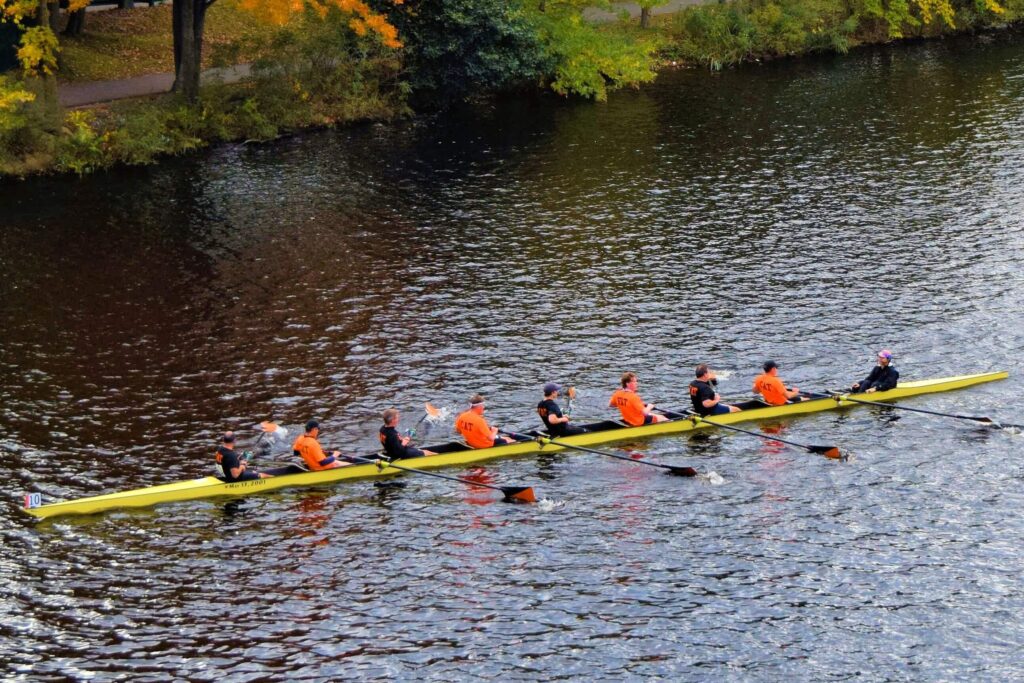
(700, 392)
(393, 448)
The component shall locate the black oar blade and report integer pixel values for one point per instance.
(682, 471)
(519, 494)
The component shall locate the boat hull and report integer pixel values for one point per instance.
(211, 487)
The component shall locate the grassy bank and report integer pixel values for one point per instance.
(292, 87)
(719, 35)
(124, 43)
(317, 72)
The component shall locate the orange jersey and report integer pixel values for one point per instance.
(311, 452)
(475, 430)
(771, 388)
(630, 405)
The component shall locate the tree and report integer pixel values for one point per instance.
(645, 10)
(37, 52)
(189, 16)
(457, 48)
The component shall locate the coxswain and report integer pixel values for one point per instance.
(235, 466)
(551, 413)
(308, 448)
(634, 411)
(396, 446)
(704, 394)
(771, 387)
(474, 428)
(882, 378)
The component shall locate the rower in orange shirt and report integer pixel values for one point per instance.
(474, 428)
(634, 411)
(312, 454)
(772, 388)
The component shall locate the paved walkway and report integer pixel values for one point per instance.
(95, 92)
(634, 9)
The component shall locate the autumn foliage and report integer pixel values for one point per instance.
(37, 52)
(363, 20)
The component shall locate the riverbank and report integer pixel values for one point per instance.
(292, 89)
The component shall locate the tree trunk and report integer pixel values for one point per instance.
(645, 17)
(53, 9)
(76, 23)
(45, 87)
(188, 19)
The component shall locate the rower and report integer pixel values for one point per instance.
(474, 428)
(234, 466)
(704, 394)
(772, 388)
(396, 446)
(634, 411)
(882, 378)
(308, 448)
(551, 413)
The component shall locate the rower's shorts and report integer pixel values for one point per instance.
(648, 419)
(566, 430)
(245, 476)
(719, 409)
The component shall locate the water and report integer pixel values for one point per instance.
(808, 211)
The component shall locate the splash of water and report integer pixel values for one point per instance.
(547, 505)
(713, 478)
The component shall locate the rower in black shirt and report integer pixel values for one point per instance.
(882, 378)
(233, 465)
(395, 445)
(704, 394)
(550, 412)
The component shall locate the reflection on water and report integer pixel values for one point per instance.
(808, 211)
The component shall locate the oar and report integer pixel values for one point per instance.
(522, 494)
(976, 418)
(672, 469)
(570, 395)
(828, 451)
(268, 428)
(428, 411)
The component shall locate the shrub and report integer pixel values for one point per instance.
(587, 60)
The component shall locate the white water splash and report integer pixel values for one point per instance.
(441, 417)
(713, 478)
(547, 505)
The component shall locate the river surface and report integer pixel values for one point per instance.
(808, 211)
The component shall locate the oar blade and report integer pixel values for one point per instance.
(432, 411)
(682, 471)
(832, 452)
(519, 494)
(268, 427)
